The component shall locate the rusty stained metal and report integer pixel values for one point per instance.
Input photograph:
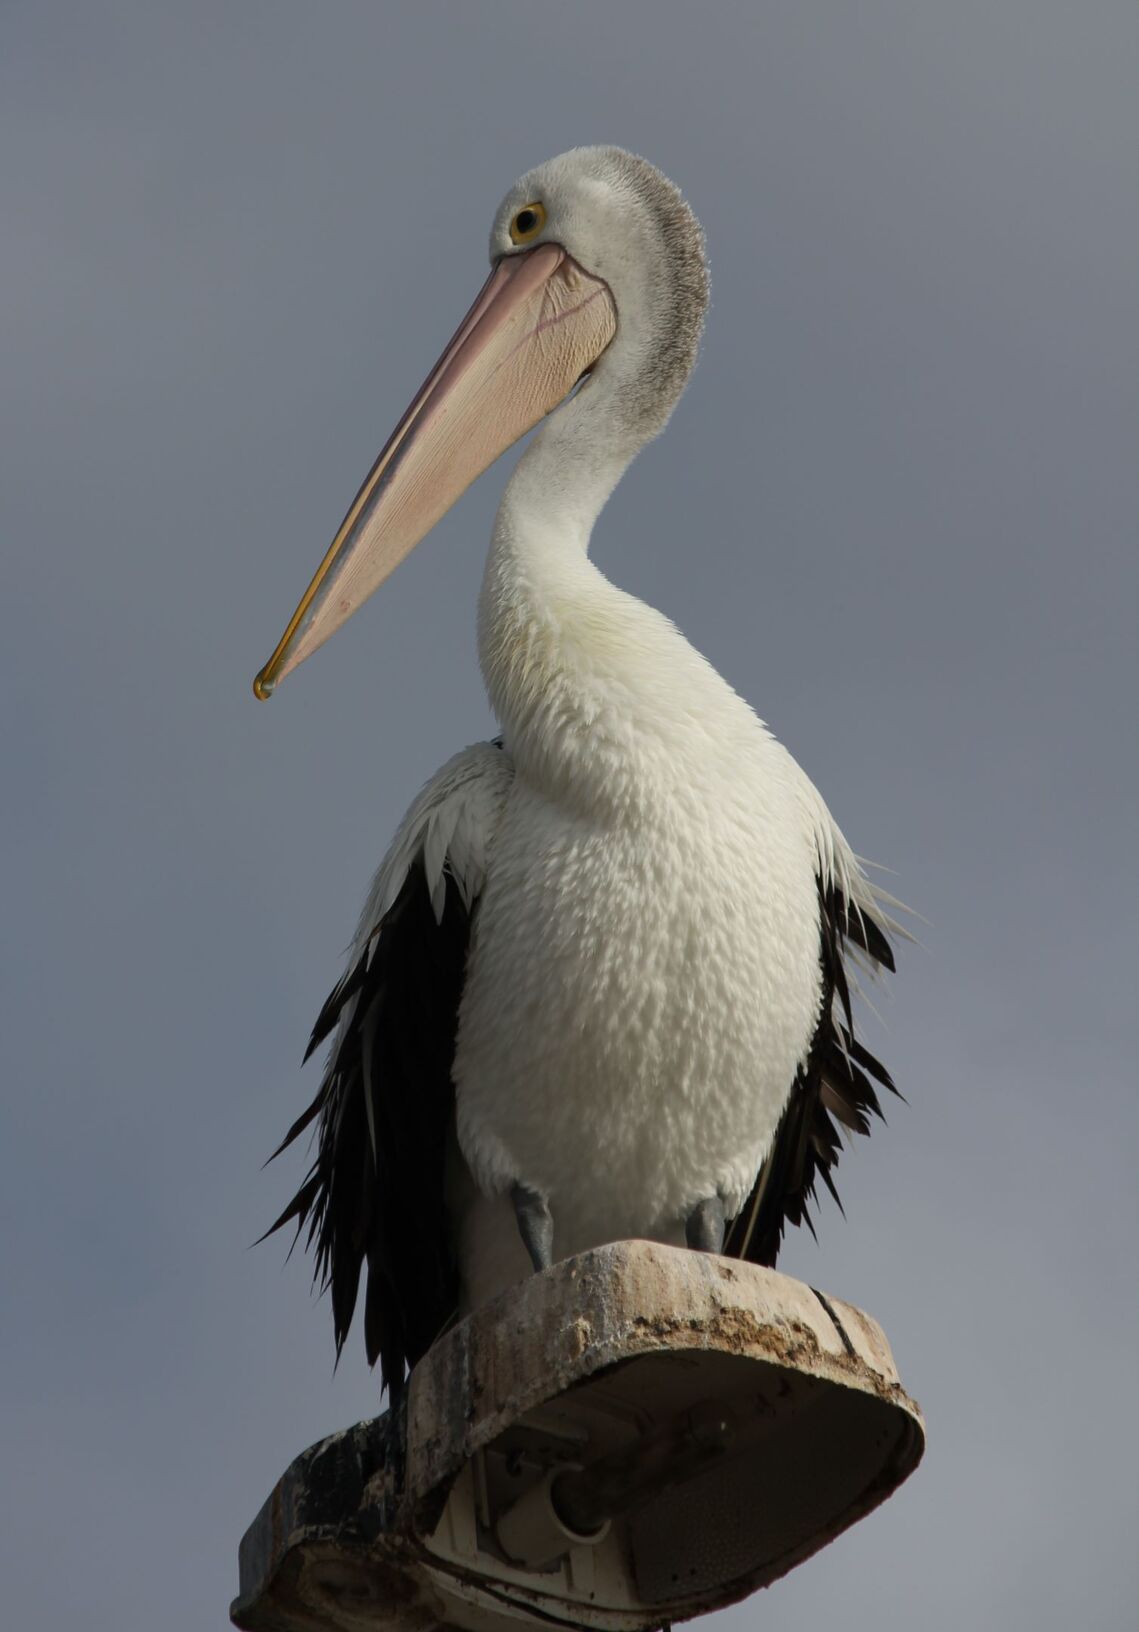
(392, 1524)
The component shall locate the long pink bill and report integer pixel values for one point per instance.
(538, 324)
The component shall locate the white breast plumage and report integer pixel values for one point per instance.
(644, 977)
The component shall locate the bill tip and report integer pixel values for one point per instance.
(263, 686)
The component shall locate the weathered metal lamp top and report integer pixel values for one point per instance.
(638, 1435)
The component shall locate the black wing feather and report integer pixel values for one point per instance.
(329, 1016)
(374, 1196)
(833, 1086)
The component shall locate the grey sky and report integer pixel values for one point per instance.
(897, 508)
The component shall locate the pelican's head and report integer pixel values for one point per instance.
(626, 224)
(597, 268)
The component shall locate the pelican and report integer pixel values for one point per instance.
(601, 985)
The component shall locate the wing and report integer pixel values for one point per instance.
(835, 1087)
(375, 1193)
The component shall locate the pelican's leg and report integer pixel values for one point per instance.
(535, 1225)
(704, 1226)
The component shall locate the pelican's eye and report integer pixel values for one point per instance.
(528, 223)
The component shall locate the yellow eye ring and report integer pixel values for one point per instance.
(528, 223)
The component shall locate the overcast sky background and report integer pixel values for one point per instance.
(897, 508)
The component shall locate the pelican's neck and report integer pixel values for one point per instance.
(564, 478)
(538, 572)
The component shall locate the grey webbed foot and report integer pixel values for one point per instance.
(704, 1227)
(535, 1225)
